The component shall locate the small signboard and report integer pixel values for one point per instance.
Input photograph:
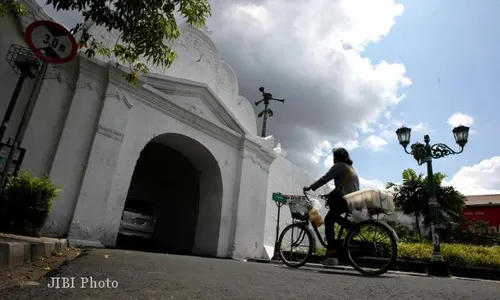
(17, 160)
(51, 42)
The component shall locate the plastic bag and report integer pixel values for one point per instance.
(315, 217)
(316, 204)
(360, 214)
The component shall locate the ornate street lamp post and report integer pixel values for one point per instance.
(424, 154)
(267, 112)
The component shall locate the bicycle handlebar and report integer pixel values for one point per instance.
(324, 197)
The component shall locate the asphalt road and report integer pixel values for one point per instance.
(142, 275)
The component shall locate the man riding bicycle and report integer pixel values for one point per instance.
(346, 182)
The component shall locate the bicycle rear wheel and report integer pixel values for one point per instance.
(295, 245)
(371, 248)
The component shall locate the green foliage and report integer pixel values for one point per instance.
(474, 232)
(26, 203)
(31, 192)
(455, 254)
(412, 198)
(401, 230)
(415, 238)
(147, 28)
(11, 8)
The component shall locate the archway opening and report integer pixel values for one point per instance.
(174, 199)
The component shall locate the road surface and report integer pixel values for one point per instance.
(142, 275)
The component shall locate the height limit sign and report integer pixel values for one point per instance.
(51, 42)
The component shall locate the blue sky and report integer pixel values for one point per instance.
(451, 52)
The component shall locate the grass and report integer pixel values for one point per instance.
(456, 254)
(469, 256)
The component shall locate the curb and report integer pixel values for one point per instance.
(416, 267)
(18, 250)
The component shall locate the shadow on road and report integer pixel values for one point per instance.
(334, 271)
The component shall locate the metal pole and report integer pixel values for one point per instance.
(264, 121)
(433, 205)
(23, 125)
(12, 104)
(276, 252)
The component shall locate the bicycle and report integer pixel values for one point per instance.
(348, 248)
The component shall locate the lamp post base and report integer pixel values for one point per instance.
(438, 268)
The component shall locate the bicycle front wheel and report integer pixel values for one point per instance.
(295, 245)
(371, 248)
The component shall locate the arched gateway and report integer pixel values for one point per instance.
(182, 119)
(181, 181)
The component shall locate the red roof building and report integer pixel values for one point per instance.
(485, 208)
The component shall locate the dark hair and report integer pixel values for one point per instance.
(341, 155)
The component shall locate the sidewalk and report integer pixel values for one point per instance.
(16, 250)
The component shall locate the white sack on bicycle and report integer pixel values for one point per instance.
(373, 200)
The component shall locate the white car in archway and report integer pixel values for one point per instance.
(138, 219)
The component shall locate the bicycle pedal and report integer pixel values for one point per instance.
(330, 261)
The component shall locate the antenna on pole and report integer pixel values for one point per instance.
(267, 112)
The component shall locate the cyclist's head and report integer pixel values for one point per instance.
(341, 155)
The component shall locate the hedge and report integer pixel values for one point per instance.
(456, 254)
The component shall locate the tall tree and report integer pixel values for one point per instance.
(147, 28)
(408, 195)
(412, 197)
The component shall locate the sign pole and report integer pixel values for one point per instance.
(12, 104)
(276, 255)
(23, 125)
(52, 43)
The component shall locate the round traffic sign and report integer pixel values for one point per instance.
(51, 41)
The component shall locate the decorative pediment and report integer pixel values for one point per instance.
(197, 98)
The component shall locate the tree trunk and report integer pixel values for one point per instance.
(417, 222)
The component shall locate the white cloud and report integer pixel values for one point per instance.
(365, 128)
(371, 184)
(313, 58)
(387, 132)
(420, 127)
(459, 118)
(328, 162)
(348, 145)
(482, 178)
(321, 150)
(374, 143)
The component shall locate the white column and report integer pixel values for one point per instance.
(88, 223)
(71, 155)
(251, 211)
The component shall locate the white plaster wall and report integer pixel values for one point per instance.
(251, 210)
(287, 178)
(194, 105)
(227, 85)
(246, 115)
(409, 222)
